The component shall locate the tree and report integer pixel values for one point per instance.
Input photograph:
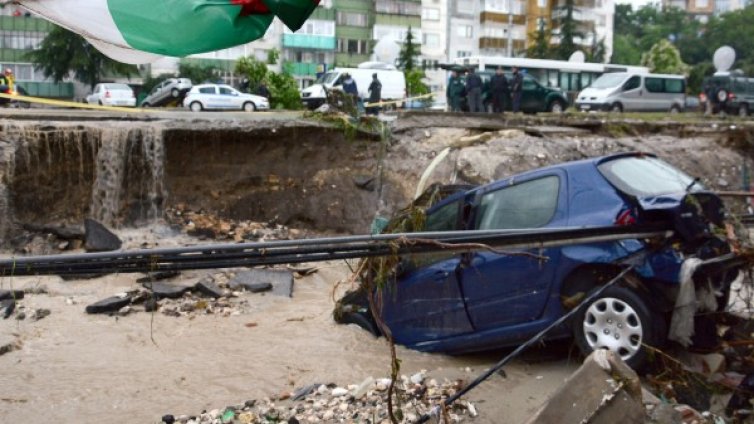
(409, 53)
(664, 58)
(273, 56)
(415, 83)
(569, 31)
(197, 73)
(540, 49)
(283, 87)
(63, 52)
(625, 50)
(253, 69)
(597, 51)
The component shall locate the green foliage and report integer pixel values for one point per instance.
(284, 92)
(253, 69)
(696, 76)
(625, 50)
(569, 31)
(63, 52)
(414, 82)
(597, 50)
(198, 74)
(664, 58)
(540, 49)
(273, 56)
(409, 53)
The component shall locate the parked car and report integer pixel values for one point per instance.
(730, 92)
(634, 91)
(465, 302)
(222, 97)
(393, 83)
(169, 90)
(112, 94)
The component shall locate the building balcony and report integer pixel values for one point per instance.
(500, 43)
(501, 18)
(302, 69)
(304, 41)
(25, 23)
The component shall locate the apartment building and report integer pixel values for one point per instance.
(435, 33)
(703, 9)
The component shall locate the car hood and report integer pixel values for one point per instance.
(595, 92)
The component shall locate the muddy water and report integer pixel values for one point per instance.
(75, 367)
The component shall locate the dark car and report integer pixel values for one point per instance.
(731, 93)
(465, 302)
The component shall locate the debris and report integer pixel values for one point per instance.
(251, 287)
(98, 238)
(364, 182)
(207, 287)
(280, 280)
(7, 307)
(39, 314)
(164, 290)
(157, 276)
(596, 395)
(11, 294)
(251, 324)
(361, 390)
(111, 304)
(7, 346)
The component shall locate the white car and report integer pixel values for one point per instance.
(219, 96)
(112, 94)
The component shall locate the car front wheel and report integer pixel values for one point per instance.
(621, 321)
(196, 107)
(616, 107)
(249, 107)
(175, 93)
(556, 107)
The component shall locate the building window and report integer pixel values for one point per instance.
(352, 19)
(542, 4)
(315, 27)
(463, 53)
(430, 14)
(465, 31)
(702, 4)
(397, 7)
(353, 46)
(431, 40)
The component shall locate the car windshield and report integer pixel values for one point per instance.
(646, 176)
(117, 87)
(328, 78)
(608, 81)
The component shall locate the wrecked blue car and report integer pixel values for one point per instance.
(465, 302)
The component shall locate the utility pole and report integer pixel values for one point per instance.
(510, 28)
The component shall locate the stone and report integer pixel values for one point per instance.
(592, 394)
(207, 287)
(8, 345)
(88, 276)
(339, 391)
(328, 415)
(364, 182)
(157, 276)
(164, 290)
(305, 391)
(111, 304)
(11, 294)
(362, 389)
(39, 314)
(417, 378)
(281, 281)
(98, 238)
(150, 305)
(168, 419)
(65, 232)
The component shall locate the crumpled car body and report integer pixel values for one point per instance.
(464, 302)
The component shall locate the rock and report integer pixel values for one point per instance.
(417, 378)
(304, 391)
(7, 307)
(39, 314)
(98, 238)
(665, 413)
(65, 232)
(280, 280)
(207, 287)
(111, 304)
(168, 419)
(165, 290)
(338, 392)
(323, 390)
(592, 394)
(362, 389)
(11, 294)
(8, 345)
(246, 418)
(125, 310)
(364, 182)
(740, 398)
(150, 305)
(157, 276)
(328, 415)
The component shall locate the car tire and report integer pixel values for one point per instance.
(556, 106)
(249, 107)
(99, 102)
(175, 93)
(196, 107)
(145, 105)
(721, 95)
(674, 110)
(621, 321)
(616, 107)
(743, 110)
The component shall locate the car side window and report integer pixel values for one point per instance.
(632, 83)
(443, 219)
(226, 91)
(654, 85)
(530, 204)
(529, 84)
(207, 90)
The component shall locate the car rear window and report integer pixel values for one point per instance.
(646, 176)
(117, 87)
(530, 204)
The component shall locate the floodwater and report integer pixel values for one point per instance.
(74, 367)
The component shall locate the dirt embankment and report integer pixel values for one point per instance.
(310, 175)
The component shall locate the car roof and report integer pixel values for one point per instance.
(593, 162)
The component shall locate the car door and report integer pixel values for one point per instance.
(426, 302)
(532, 96)
(228, 98)
(210, 97)
(501, 290)
(632, 94)
(94, 97)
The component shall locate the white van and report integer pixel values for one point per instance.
(393, 83)
(634, 91)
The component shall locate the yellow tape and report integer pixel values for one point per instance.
(423, 96)
(63, 103)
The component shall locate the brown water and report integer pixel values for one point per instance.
(75, 367)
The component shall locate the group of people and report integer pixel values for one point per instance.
(501, 90)
(352, 91)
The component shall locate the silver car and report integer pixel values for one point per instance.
(112, 94)
(169, 90)
(222, 97)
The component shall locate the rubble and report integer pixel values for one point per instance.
(330, 403)
(205, 225)
(98, 238)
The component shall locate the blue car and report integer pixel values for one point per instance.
(465, 302)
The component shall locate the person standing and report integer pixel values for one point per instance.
(500, 91)
(455, 91)
(517, 88)
(474, 92)
(352, 92)
(375, 95)
(263, 91)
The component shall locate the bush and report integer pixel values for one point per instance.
(283, 91)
